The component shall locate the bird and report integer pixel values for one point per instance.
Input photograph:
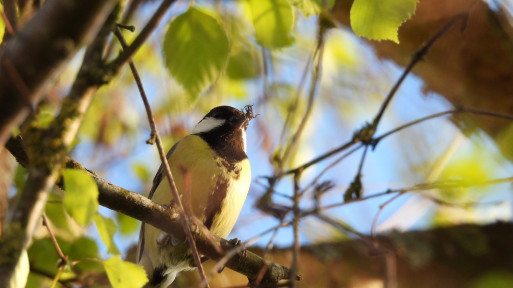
(212, 173)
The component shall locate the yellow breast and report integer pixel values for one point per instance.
(214, 189)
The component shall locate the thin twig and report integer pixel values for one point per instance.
(46, 223)
(322, 157)
(127, 53)
(381, 208)
(419, 55)
(269, 245)
(130, 28)
(272, 229)
(331, 165)
(417, 187)
(127, 16)
(416, 58)
(440, 114)
(299, 90)
(340, 204)
(295, 226)
(340, 226)
(362, 160)
(267, 249)
(184, 219)
(316, 79)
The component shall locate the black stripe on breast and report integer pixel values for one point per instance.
(215, 201)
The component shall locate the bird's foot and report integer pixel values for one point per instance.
(235, 244)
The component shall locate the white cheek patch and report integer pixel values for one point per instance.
(207, 124)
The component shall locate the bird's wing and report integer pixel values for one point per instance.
(156, 181)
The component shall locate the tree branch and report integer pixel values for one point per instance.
(143, 209)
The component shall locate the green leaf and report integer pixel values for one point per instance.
(127, 225)
(380, 20)
(60, 221)
(273, 21)
(124, 274)
(107, 228)
(196, 50)
(85, 248)
(311, 7)
(81, 197)
(243, 63)
(43, 255)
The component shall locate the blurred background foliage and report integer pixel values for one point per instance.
(255, 52)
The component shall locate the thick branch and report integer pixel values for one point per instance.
(143, 209)
(32, 58)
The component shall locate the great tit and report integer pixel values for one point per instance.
(212, 174)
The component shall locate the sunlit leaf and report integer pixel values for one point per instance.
(123, 274)
(127, 225)
(60, 221)
(341, 51)
(81, 196)
(311, 7)
(380, 20)
(43, 255)
(273, 21)
(196, 49)
(107, 228)
(469, 170)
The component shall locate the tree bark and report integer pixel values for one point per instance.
(32, 58)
